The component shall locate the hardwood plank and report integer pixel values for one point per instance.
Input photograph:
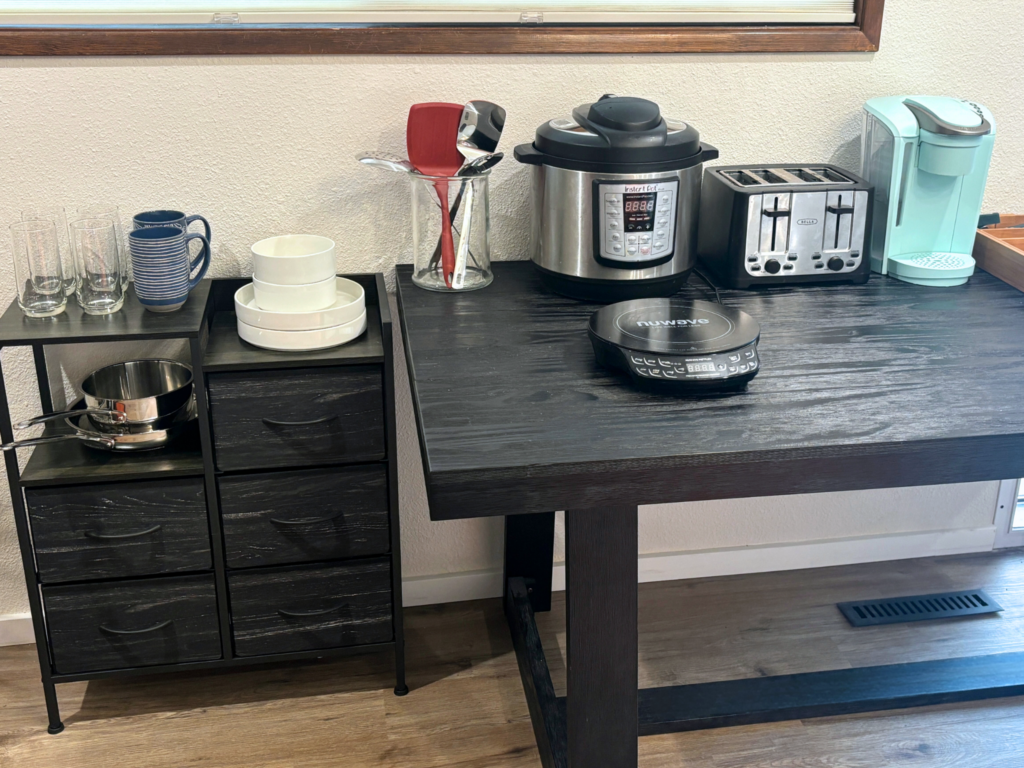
(868, 386)
(467, 708)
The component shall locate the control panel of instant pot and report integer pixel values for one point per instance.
(636, 222)
(703, 367)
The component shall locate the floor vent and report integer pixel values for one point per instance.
(896, 610)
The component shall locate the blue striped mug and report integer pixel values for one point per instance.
(162, 266)
(163, 218)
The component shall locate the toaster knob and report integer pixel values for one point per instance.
(835, 264)
(772, 266)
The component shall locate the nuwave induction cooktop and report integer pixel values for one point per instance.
(677, 345)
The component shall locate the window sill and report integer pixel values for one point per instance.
(862, 36)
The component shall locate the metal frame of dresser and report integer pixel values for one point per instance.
(214, 296)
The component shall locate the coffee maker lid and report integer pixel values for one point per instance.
(952, 117)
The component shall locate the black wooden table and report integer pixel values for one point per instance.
(876, 386)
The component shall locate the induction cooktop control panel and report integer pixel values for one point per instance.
(701, 368)
(635, 222)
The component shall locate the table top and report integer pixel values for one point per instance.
(885, 384)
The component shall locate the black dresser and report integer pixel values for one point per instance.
(268, 532)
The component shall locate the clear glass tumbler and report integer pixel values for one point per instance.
(98, 262)
(56, 214)
(37, 268)
(113, 213)
(467, 265)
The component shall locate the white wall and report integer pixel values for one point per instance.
(263, 146)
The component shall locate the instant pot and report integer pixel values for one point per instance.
(616, 193)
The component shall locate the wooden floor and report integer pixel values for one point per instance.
(467, 708)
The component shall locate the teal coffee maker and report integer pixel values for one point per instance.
(928, 158)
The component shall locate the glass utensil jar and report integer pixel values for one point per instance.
(98, 263)
(469, 264)
(37, 268)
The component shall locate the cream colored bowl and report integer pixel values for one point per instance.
(295, 298)
(293, 259)
(296, 341)
(350, 302)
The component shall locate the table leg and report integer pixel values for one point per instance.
(529, 553)
(601, 638)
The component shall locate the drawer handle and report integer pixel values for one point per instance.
(116, 536)
(154, 628)
(308, 614)
(311, 422)
(309, 521)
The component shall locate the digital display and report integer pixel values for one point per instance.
(700, 367)
(639, 208)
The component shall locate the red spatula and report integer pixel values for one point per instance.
(430, 137)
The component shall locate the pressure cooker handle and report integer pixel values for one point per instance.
(583, 121)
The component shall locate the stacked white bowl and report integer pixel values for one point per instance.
(295, 301)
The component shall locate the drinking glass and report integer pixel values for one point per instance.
(98, 262)
(56, 215)
(113, 213)
(37, 268)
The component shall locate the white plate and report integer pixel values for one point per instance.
(293, 259)
(350, 303)
(295, 341)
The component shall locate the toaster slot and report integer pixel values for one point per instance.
(775, 219)
(767, 175)
(806, 175)
(839, 212)
(743, 178)
(831, 176)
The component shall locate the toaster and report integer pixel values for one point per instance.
(784, 224)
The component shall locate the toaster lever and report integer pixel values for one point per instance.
(840, 209)
(779, 213)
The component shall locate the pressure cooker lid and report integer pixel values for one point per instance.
(618, 130)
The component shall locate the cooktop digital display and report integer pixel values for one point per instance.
(639, 209)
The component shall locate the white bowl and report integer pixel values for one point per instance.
(294, 341)
(293, 259)
(350, 302)
(295, 298)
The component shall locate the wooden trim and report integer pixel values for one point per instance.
(862, 36)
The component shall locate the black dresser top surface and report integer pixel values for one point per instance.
(505, 382)
(132, 322)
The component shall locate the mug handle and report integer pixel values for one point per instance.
(204, 255)
(206, 225)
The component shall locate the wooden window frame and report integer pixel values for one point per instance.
(861, 36)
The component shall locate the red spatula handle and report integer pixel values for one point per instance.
(447, 244)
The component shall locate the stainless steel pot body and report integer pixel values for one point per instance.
(562, 223)
(144, 390)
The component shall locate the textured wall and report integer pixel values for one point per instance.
(264, 146)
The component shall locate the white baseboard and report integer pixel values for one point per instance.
(16, 629)
(671, 566)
